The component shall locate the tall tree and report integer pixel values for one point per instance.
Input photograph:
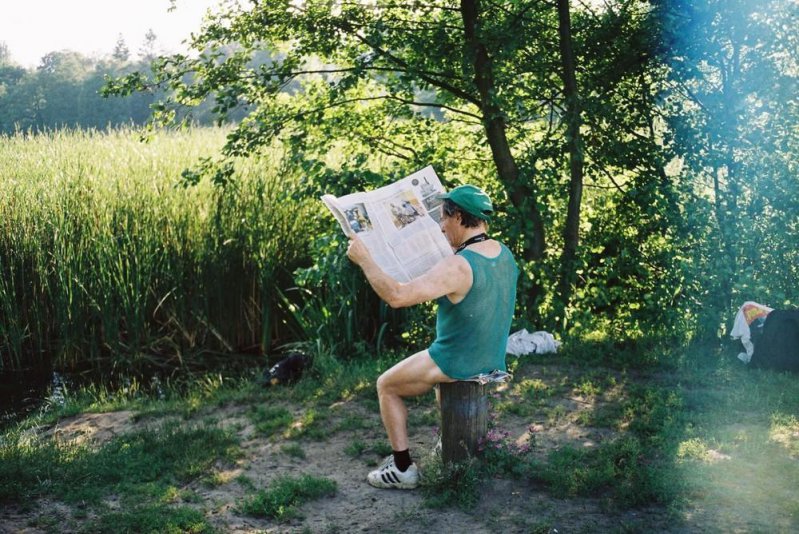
(147, 51)
(574, 143)
(734, 73)
(64, 92)
(406, 56)
(5, 54)
(503, 78)
(494, 121)
(121, 51)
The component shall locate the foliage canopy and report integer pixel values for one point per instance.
(639, 151)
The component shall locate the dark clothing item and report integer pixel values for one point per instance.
(287, 370)
(778, 346)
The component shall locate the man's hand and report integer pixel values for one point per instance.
(357, 251)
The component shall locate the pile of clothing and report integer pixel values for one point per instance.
(523, 342)
(770, 337)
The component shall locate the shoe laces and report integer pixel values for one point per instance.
(388, 462)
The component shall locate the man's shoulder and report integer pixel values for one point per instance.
(453, 268)
(457, 262)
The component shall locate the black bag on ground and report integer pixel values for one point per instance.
(778, 346)
(287, 370)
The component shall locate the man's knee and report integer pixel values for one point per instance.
(383, 382)
(390, 383)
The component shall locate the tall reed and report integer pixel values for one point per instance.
(107, 263)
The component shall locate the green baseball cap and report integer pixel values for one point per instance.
(472, 200)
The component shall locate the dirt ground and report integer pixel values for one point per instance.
(505, 505)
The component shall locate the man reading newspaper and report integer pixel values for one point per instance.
(475, 289)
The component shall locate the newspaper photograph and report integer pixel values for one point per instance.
(398, 223)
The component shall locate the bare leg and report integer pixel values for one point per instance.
(412, 376)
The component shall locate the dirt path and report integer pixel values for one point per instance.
(505, 505)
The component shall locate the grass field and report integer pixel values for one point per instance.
(106, 262)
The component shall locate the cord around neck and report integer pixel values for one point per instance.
(471, 241)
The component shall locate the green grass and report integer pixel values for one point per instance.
(701, 433)
(276, 421)
(333, 378)
(423, 417)
(283, 497)
(381, 449)
(152, 519)
(632, 468)
(182, 396)
(106, 263)
(741, 444)
(145, 463)
(706, 434)
(311, 424)
(356, 448)
(354, 422)
(447, 485)
(622, 471)
(144, 469)
(610, 415)
(270, 420)
(293, 450)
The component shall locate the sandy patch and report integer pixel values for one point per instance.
(93, 428)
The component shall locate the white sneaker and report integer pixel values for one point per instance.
(388, 476)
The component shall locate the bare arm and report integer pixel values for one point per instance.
(451, 276)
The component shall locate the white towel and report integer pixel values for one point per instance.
(748, 312)
(523, 342)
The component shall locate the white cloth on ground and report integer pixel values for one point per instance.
(523, 342)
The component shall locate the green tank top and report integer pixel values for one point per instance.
(472, 335)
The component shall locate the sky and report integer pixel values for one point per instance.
(33, 28)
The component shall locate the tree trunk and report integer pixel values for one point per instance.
(574, 145)
(521, 195)
(464, 420)
(726, 198)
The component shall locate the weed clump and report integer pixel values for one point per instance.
(455, 484)
(283, 497)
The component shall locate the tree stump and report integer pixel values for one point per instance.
(464, 419)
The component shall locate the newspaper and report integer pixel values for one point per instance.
(398, 223)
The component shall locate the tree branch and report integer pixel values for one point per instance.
(609, 177)
(424, 76)
(434, 105)
(692, 96)
(301, 114)
(380, 142)
(397, 5)
(348, 69)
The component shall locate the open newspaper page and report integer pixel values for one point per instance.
(398, 223)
